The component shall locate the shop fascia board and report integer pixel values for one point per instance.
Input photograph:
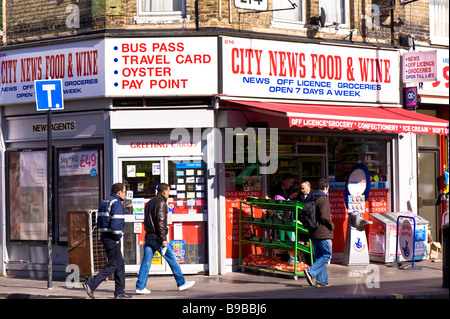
(161, 119)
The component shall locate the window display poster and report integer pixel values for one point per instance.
(179, 250)
(189, 189)
(377, 203)
(232, 206)
(79, 163)
(28, 194)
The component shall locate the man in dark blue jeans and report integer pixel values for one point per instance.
(111, 224)
(321, 237)
(155, 224)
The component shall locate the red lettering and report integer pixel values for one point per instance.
(134, 47)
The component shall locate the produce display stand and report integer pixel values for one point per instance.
(272, 208)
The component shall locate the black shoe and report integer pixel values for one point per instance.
(123, 295)
(309, 278)
(89, 291)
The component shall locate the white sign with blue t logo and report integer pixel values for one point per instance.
(49, 95)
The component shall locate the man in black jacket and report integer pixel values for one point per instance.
(305, 194)
(321, 237)
(155, 225)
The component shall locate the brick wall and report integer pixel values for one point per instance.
(41, 19)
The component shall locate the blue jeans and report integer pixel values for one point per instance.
(151, 246)
(322, 255)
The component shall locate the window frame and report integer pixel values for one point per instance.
(286, 23)
(8, 198)
(168, 14)
(346, 17)
(437, 11)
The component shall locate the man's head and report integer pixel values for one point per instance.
(164, 190)
(119, 189)
(305, 187)
(287, 181)
(323, 185)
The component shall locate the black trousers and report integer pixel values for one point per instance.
(115, 265)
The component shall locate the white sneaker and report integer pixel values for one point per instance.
(187, 285)
(144, 291)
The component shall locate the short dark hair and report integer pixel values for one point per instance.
(117, 187)
(163, 187)
(287, 176)
(322, 184)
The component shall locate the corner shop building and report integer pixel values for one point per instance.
(332, 106)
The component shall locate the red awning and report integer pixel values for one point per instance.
(361, 118)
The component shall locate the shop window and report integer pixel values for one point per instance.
(78, 183)
(439, 21)
(160, 10)
(344, 153)
(188, 187)
(301, 157)
(27, 195)
(243, 174)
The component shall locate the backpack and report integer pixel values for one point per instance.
(307, 215)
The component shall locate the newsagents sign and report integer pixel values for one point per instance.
(306, 71)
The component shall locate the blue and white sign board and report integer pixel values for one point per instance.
(49, 95)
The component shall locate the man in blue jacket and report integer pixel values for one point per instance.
(111, 224)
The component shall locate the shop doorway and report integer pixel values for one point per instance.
(428, 190)
(304, 158)
(187, 210)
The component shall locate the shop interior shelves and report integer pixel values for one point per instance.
(279, 218)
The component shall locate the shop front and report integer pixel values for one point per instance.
(78, 146)
(334, 107)
(145, 111)
(145, 159)
(433, 100)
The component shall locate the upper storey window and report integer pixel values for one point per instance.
(336, 11)
(293, 18)
(439, 21)
(161, 11)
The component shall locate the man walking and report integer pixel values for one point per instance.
(111, 224)
(321, 237)
(155, 225)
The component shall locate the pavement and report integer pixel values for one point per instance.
(374, 281)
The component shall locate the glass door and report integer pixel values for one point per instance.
(141, 176)
(428, 191)
(187, 210)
